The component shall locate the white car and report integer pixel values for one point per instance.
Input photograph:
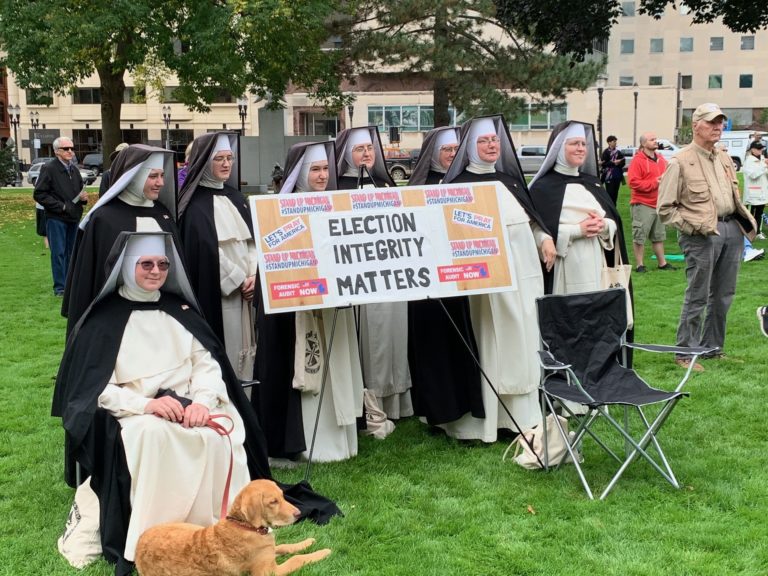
(88, 176)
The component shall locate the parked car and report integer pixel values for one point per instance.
(531, 158)
(88, 176)
(400, 163)
(738, 142)
(93, 161)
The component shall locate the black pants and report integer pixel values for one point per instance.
(757, 214)
(612, 187)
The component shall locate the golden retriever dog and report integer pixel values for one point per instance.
(241, 543)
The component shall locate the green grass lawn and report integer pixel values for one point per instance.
(423, 505)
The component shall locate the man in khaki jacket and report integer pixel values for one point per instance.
(699, 195)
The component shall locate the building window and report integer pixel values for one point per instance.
(745, 80)
(716, 44)
(628, 9)
(540, 117)
(657, 45)
(686, 82)
(223, 97)
(133, 95)
(407, 118)
(39, 97)
(654, 80)
(686, 44)
(169, 95)
(627, 46)
(747, 42)
(626, 80)
(317, 124)
(715, 81)
(86, 96)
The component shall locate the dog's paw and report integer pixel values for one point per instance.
(320, 554)
(307, 543)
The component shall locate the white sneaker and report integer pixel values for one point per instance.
(760, 236)
(753, 254)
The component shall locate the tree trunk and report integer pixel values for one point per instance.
(440, 85)
(111, 90)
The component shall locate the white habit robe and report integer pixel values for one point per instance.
(342, 400)
(237, 261)
(507, 334)
(384, 343)
(579, 262)
(177, 474)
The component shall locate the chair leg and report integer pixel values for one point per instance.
(569, 447)
(639, 448)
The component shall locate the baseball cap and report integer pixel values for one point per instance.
(756, 144)
(708, 112)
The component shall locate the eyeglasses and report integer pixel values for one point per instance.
(486, 141)
(149, 265)
(363, 148)
(449, 149)
(222, 159)
(67, 148)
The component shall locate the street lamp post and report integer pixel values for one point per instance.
(14, 115)
(35, 124)
(634, 129)
(167, 120)
(242, 111)
(601, 81)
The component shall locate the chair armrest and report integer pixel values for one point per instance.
(679, 350)
(548, 362)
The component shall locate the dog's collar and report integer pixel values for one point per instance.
(263, 530)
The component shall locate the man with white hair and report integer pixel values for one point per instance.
(59, 190)
(699, 195)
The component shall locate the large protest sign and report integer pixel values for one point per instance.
(327, 249)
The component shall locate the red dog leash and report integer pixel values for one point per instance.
(222, 431)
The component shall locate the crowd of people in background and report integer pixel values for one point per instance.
(153, 248)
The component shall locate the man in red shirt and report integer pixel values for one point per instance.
(644, 175)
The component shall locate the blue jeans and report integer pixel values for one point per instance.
(61, 239)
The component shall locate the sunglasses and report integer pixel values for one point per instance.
(67, 148)
(149, 265)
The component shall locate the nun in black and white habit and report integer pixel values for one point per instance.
(131, 204)
(217, 237)
(292, 346)
(505, 324)
(568, 194)
(358, 146)
(139, 354)
(437, 153)
(383, 326)
(134, 342)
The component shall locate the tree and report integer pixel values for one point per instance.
(738, 15)
(211, 46)
(8, 165)
(473, 56)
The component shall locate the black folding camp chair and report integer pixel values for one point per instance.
(583, 352)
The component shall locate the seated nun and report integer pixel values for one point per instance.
(568, 194)
(141, 374)
(360, 159)
(219, 250)
(292, 348)
(504, 324)
(142, 198)
(437, 154)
